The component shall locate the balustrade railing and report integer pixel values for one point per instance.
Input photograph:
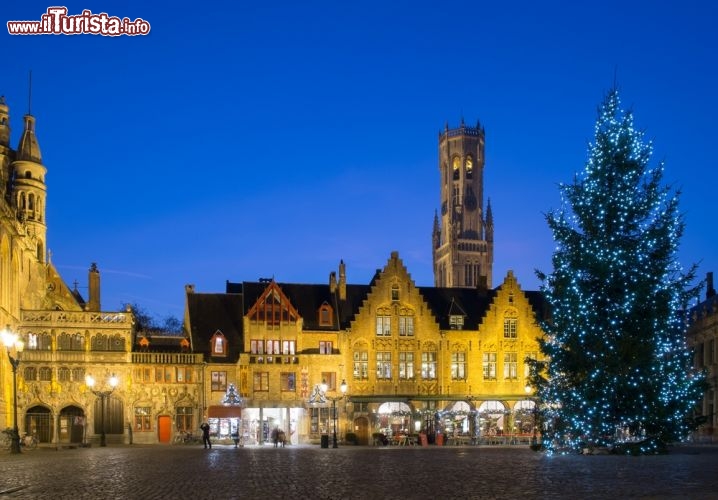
(163, 358)
(44, 318)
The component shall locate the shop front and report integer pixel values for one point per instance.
(224, 421)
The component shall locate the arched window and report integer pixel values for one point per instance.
(38, 342)
(45, 373)
(78, 374)
(469, 167)
(117, 343)
(30, 373)
(457, 168)
(99, 342)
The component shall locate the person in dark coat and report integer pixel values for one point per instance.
(205, 435)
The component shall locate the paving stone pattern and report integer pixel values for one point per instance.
(375, 473)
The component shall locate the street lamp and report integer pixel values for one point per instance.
(13, 342)
(103, 395)
(534, 440)
(343, 389)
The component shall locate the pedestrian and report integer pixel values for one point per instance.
(275, 436)
(205, 435)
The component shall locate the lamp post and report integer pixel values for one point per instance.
(343, 389)
(103, 395)
(12, 342)
(534, 440)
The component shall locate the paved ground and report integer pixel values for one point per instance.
(178, 472)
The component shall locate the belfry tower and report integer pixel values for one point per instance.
(463, 236)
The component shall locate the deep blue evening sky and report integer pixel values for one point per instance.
(239, 140)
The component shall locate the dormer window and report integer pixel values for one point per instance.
(218, 344)
(325, 315)
(456, 321)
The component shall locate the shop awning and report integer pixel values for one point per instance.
(224, 412)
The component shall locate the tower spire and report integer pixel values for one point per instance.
(29, 94)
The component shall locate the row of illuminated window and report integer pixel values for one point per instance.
(261, 380)
(73, 342)
(405, 324)
(284, 347)
(184, 419)
(510, 365)
(406, 367)
(44, 374)
(164, 374)
(273, 346)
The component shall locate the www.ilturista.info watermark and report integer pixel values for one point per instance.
(56, 22)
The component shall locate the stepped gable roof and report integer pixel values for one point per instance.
(307, 299)
(212, 312)
(468, 302)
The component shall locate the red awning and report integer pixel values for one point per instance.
(224, 412)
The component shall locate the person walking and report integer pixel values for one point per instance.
(205, 435)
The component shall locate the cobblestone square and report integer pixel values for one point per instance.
(225, 472)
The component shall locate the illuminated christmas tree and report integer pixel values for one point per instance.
(619, 375)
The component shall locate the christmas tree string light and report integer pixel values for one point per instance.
(619, 375)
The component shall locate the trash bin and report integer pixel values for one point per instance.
(439, 440)
(325, 440)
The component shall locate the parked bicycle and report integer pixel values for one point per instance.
(186, 437)
(6, 439)
(29, 441)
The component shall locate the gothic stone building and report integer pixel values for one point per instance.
(63, 337)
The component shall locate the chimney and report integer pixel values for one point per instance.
(94, 302)
(342, 281)
(710, 291)
(332, 282)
